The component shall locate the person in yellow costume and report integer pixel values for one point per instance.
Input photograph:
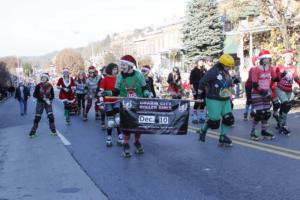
(217, 81)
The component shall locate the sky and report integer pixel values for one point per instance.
(37, 27)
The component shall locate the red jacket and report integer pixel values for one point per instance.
(66, 95)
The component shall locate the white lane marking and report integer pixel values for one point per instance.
(63, 139)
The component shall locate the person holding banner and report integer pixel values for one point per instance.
(218, 82)
(149, 80)
(112, 106)
(130, 83)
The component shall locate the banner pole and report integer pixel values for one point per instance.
(190, 100)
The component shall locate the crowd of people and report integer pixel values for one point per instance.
(211, 87)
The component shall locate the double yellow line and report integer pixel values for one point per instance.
(277, 150)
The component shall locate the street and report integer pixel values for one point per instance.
(78, 165)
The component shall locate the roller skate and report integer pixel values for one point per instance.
(103, 125)
(284, 130)
(32, 134)
(53, 132)
(109, 141)
(202, 135)
(225, 141)
(120, 140)
(195, 119)
(202, 117)
(97, 116)
(267, 135)
(252, 114)
(245, 116)
(254, 135)
(126, 151)
(139, 149)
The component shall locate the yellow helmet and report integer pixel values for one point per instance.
(227, 60)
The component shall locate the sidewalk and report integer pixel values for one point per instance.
(41, 168)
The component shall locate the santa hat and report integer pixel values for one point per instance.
(146, 68)
(264, 54)
(129, 60)
(45, 75)
(66, 70)
(289, 52)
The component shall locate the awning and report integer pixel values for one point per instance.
(231, 44)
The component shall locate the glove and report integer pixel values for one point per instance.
(200, 92)
(146, 93)
(263, 93)
(48, 102)
(108, 93)
(236, 81)
(283, 74)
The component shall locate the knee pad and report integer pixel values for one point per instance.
(213, 124)
(228, 119)
(37, 119)
(276, 105)
(51, 118)
(267, 115)
(285, 107)
(259, 115)
(110, 122)
(117, 119)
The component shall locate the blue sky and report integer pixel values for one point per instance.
(36, 27)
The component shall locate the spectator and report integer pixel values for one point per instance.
(22, 94)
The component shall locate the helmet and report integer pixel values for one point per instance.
(227, 60)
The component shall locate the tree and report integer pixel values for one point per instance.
(4, 75)
(280, 13)
(71, 59)
(109, 58)
(146, 60)
(202, 30)
(11, 63)
(27, 69)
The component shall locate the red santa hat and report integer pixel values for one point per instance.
(289, 52)
(45, 75)
(146, 68)
(66, 70)
(129, 60)
(264, 54)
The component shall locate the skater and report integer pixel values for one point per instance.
(149, 80)
(93, 81)
(22, 94)
(286, 74)
(174, 80)
(218, 82)
(130, 83)
(66, 85)
(196, 74)
(112, 106)
(261, 79)
(81, 92)
(44, 94)
(248, 88)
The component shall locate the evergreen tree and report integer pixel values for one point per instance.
(203, 30)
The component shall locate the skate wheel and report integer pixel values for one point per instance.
(225, 145)
(139, 152)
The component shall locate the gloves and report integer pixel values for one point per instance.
(47, 101)
(263, 93)
(146, 93)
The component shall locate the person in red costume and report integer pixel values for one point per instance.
(286, 74)
(261, 78)
(66, 84)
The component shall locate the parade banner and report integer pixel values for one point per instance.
(154, 116)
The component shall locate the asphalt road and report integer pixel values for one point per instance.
(179, 167)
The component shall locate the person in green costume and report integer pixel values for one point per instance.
(218, 81)
(130, 83)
